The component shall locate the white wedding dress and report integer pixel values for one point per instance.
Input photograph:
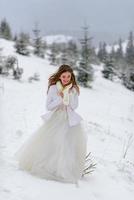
(55, 151)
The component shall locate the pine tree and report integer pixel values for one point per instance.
(21, 44)
(130, 49)
(131, 80)
(38, 44)
(112, 53)
(102, 52)
(1, 64)
(85, 71)
(119, 51)
(72, 53)
(94, 58)
(15, 37)
(5, 30)
(128, 78)
(64, 57)
(108, 70)
(53, 54)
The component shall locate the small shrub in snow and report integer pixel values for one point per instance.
(17, 73)
(89, 165)
(35, 77)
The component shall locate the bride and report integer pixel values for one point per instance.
(57, 150)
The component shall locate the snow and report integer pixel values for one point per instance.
(116, 46)
(57, 39)
(108, 113)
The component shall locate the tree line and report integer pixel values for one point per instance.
(118, 63)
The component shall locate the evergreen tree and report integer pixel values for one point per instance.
(119, 51)
(38, 44)
(113, 53)
(5, 30)
(72, 53)
(53, 54)
(1, 64)
(131, 80)
(15, 37)
(108, 70)
(119, 59)
(128, 78)
(85, 71)
(130, 49)
(94, 58)
(64, 57)
(21, 44)
(102, 52)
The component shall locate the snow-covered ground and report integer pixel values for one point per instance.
(108, 113)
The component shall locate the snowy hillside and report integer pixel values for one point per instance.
(108, 113)
(57, 39)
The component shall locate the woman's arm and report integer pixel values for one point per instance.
(53, 99)
(73, 99)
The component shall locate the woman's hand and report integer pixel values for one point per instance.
(61, 94)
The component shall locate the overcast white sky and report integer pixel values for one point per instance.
(106, 18)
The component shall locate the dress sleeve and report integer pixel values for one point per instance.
(53, 99)
(73, 99)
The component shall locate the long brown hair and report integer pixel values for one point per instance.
(55, 77)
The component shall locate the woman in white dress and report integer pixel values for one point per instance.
(57, 150)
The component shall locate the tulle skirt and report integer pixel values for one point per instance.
(55, 151)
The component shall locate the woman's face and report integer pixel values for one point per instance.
(65, 78)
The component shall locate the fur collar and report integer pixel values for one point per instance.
(65, 91)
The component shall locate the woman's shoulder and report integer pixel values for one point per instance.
(53, 86)
(74, 90)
